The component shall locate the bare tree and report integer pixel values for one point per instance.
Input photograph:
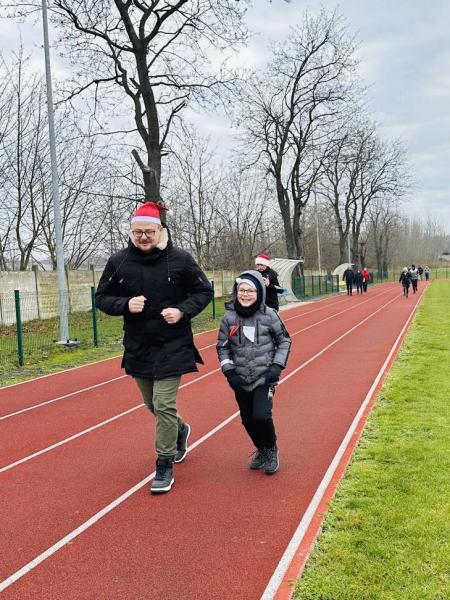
(156, 54)
(248, 217)
(359, 169)
(196, 184)
(384, 223)
(24, 169)
(292, 108)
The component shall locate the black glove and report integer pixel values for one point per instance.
(273, 374)
(234, 380)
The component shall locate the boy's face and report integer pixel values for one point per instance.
(246, 295)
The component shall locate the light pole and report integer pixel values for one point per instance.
(62, 287)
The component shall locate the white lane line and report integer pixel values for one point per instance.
(87, 524)
(89, 429)
(110, 420)
(291, 549)
(87, 389)
(108, 381)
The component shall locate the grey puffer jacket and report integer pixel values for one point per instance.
(250, 345)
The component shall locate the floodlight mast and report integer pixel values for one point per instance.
(61, 275)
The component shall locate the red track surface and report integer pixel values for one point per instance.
(221, 531)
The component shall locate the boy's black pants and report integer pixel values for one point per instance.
(256, 414)
(349, 287)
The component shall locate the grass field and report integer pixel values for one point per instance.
(387, 535)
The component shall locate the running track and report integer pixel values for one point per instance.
(76, 456)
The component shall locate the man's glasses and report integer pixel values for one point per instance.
(138, 233)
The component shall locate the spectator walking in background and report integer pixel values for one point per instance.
(270, 278)
(405, 280)
(253, 348)
(157, 289)
(358, 281)
(348, 276)
(414, 272)
(426, 273)
(420, 269)
(365, 278)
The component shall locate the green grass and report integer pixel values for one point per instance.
(43, 356)
(387, 535)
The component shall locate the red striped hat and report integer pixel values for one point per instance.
(262, 259)
(149, 212)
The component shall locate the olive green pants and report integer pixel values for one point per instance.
(160, 396)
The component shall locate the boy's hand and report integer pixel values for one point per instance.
(234, 380)
(273, 374)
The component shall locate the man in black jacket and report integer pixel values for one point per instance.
(157, 288)
(270, 278)
(348, 277)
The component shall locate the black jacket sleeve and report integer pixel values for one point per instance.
(197, 287)
(107, 296)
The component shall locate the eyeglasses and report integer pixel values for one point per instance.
(138, 233)
(247, 292)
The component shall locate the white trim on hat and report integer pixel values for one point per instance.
(249, 282)
(146, 220)
(261, 261)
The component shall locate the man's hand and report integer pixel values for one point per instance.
(172, 315)
(136, 304)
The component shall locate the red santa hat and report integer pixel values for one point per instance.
(149, 212)
(262, 259)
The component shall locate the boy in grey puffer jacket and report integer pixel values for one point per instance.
(253, 348)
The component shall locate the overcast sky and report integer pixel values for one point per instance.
(404, 49)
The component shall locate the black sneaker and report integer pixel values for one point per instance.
(182, 447)
(258, 460)
(164, 479)
(272, 463)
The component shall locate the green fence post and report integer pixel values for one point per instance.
(326, 284)
(94, 317)
(312, 285)
(320, 285)
(19, 328)
(214, 299)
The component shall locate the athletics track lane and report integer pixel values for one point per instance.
(213, 488)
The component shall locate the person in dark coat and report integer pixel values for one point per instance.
(253, 348)
(405, 280)
(270, 278)
(348, 276)
(358, 281)
(157, 289)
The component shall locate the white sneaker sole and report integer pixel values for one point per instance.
(163, 490)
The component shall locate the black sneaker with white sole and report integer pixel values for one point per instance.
(272, 463)
(182, 446)
(164, 478)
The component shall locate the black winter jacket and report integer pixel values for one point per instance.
(273, 289)
(348, 276)
(153, 349)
